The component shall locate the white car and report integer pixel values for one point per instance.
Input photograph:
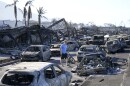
(36, 74)
(36, 53)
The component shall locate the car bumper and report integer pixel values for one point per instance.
(30, 59)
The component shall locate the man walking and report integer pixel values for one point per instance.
(63, 51)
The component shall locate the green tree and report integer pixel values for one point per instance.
(15, 10)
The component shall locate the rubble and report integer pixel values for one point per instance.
(99, 64)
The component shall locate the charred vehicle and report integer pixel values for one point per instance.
(55, 50)
(72, 45)
(97, 40)
(112, 46)
(91, 64)
(88, 49)
(127, 39)
(36, 74)
(99, 64)
(122, 42)
(36, 53)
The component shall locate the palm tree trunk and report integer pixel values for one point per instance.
(25, 21)
(28, 22)
(15, 14)
(39, 20)
(16, 22)
(40, 34)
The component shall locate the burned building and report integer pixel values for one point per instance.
(17, 37)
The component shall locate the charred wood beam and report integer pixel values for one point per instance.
(55, 23)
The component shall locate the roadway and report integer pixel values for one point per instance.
(118, 79)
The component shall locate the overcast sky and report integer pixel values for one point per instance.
(83, 11)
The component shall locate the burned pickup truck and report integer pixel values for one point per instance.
(96, 64)
(97, 40)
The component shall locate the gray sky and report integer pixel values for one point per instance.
(84, 11)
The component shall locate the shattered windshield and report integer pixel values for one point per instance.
(17, 79)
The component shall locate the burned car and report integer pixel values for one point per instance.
(72, 45)
(15, 54)
(112, 46)
(55, 50)
(122, 42)
(99, 64)
(88, 49)
(91, 64)
(97, 40)
(36, 53)
(36, 74)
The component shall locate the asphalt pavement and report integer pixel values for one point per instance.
(126, 77)
(122, 79)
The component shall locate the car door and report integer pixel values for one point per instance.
(48, 51)
(45, 54)
(50, 77)
(61, 76)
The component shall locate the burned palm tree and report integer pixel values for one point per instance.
(15, 10)
(40, 13)
(29, 13)
(24, 12)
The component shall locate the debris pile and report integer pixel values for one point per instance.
(98, 64)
